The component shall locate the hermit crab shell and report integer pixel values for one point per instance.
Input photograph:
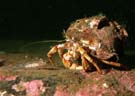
(99, 34)
(85, 25)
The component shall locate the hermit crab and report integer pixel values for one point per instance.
(90, 42)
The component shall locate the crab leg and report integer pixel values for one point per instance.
(51, 53)
(67, 61)
(85, 64)
(112, 63)
(84, 54)
(58, 48)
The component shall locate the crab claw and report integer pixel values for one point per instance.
(68, 63)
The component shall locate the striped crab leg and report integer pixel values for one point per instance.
(87, 57)
(58, 48)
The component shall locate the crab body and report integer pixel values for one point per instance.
(90, 41)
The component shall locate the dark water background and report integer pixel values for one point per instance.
(46, 19)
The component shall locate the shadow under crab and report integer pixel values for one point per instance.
(90, 41)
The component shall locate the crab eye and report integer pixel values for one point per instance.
(103, 23)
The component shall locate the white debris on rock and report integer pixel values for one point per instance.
(35, 64)
(105, 85)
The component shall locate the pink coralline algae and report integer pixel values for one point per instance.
(93, 90)
(61, 92)
(128, 81)
(82, 92)
(33, 88)
(7, 78)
